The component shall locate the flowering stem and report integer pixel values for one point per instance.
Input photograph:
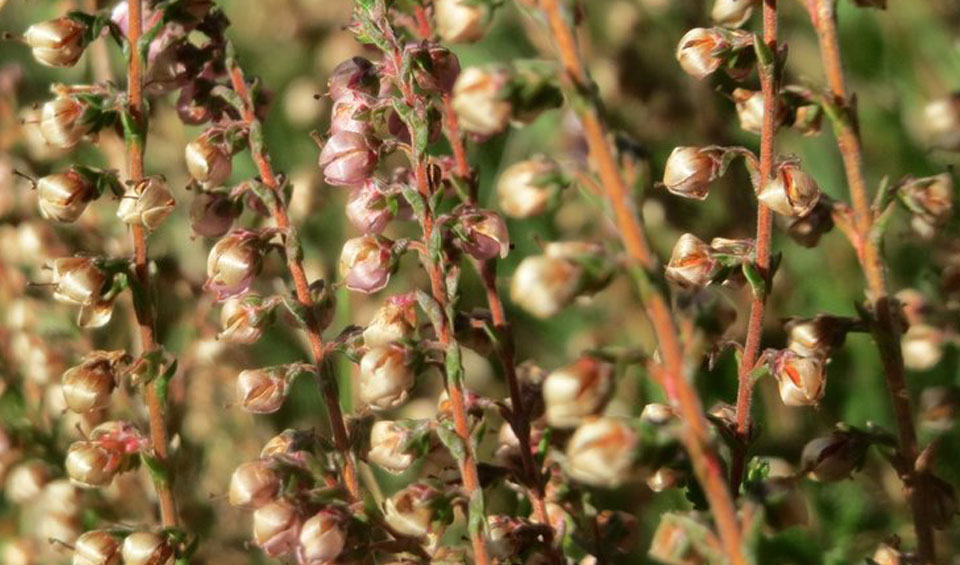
(681, 393)
(144, 308)
(327, 383)
(885, 330)
(751, 347)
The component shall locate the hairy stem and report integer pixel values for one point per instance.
(327, 382)
(885, 330)
(695, 437)
(144, 311)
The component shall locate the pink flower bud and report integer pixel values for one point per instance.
(96, 547)
(387, 440)
(691, 263)
(394, 321)
(63, 197)
(486, 234)
(802, 380)
(690, 170)
(942, 121)
(732, 13)
(276, 527)
(355, 75)
(386, 376)
(25, 482)
(366, 263)
(791, 192)
(699, 51)
(922, 347)
(243, 319)
(323, 537)
(88, 386)
(78, 280)
(147, 203)
(832, 458)
(233, 263)
(262, 391)
(527, 188)
(208, 161)
(56, 43)
(369, 208)
(749, 108)
(351, 113)
(479, 101)
(435, 68)
(461, 21)
(212, 214)
(601, 452)
(253, 484)
(347, 159)
(63, 121)
(413, 510)
(146, 548)
(578, 390)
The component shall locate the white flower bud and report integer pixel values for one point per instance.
(394, 321)
(478, 102)
(692, 264)
(62, 197)
(749, 108)
(90, 464)
(386, 443)
(601, 452)
(26, 481)
(234, 261)
(88, 386)
(942, 121)
(526, 188)
(658, 414)
(698, 52)
(78, 280)
(689, 172)
(276, 527)
(731, 13)
(322, 537)
(461, 21)
(64, 529)
(62, 121)
(207, 161)
(253, 484)
(791, 192)
(576, 391)
(56, 43)
(802, 380)
(96, 547)
(60, 497)
(261, 391)
(147, 203)
(146, 548)
(386, 377)
(411, 511)
(922, 347)
(665, 478)
(544, 285)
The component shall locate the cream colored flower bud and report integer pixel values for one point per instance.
(63, 197)
(658, 414)
(791, 192)
(887, 555)
(56, 43)
(673, 543)
(64, 529)
(461, 21)
(815, 337)
(253, 484)
(922, 347)
(146, 548)
(78, 280)
(62, 121)
(207, 161)
(386, 377)
(601, 452)
(834, 457)
(576, 391)
(478, 100)
(276, 527)
(26, 481)
(88, 386)
(698, 52)
(526, 188)
(749, 108)
(394, 321)
(261, 391)
(544, 285)
(241, 320)
(234, 261)
(90, 464)
(147, 203)
(323, 537)
(665, 478)
(942, 121)
(411, 511)
(96, 547)
(386, 443)
(732, 13)
(802, 380)
(691, 263)
(689, 172)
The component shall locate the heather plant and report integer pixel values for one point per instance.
(477, 281)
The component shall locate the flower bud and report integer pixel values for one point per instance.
(791, 192)
(233, 263)
(96, 547)
(601, 452)
(366, 263)
(699, 51)
(63, 122)
(889, 555)
(576, 391)
(413, 510)
(243, 318)
(922, 347)
(673, 541)
(394, 321)
(808, 229)
(485, 235)
(253, 484)
(276, 527)
(479, 101)
(92, 464)
(802, 380)
(387, 443)
(386, 376)
(832, 458)
(212, 214)
(749, 107)
(939, 407)
(63, 197)
(26, 481)
(435, 68)
(56, 43)
(148, 203)
(817, 336)
(527, 188)
(353, 75)
(461, 21)
(208, 161)
(942, 121)
(60, 497)
(323, 537)
(59, 527)
(350, 112)
(731, 13)
(78, 280)
(369, 209)
(506, 536)
(261, 391)
(658, 414)
(692, 264)
(146, 548)
(665, 478)
(88, 386)
(930, 198)
(347, 159)
(690, 170)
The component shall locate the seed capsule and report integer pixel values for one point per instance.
(261, 391)
(63, 122)
(323, 537)
(243, 319)
(26, 481)
(348, 159)
(749, 108)
(833, 458)
(802, 380)
(689, 172)
(91, 464)
(576, 391)
(486, 234)
(791, 192)
(253, 484)
(208, 162)
(691, 263)
(460, 21)
(353, 75)
(699, 52)
(96, 547)
(366, 263)
(544, 285)
(526, 188)
(386, 376)
(56, 43)
(88, 386)
(63, 197)
(147, 203)
(386, 446)
(479, 102)
(732, 13)
(146, 548)
(922, 347)
(394, 321)
(276, 527)
(413, 510)
(212, 214)
(78, 280)
(233, 263)
(942, 121)
(601, 452)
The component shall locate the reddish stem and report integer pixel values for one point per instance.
(302, 285)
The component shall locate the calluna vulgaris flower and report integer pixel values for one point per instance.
(690, 170)
(802, 380)
(96, 547)
(146, 548)
(479, 101)
(749, 108)
(208, 160)
(526, 188)
(276, 527)
(732, 13)
(57, 43)
(88, 386)
(791, 192)
(323, 537)
(460, 21)
(699, 51)
(576, 391)
(366, 263)
(394, 321)
(253, 484)
(262, 391)
(234, 262)
(63, 121)
(212, 214)
(601, 452)
(413, 510)
(691, 263)
(62, 197)
(386, 376)
(834, 457)
(147, 203)
(922, 347)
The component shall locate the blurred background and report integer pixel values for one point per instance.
(897, 61)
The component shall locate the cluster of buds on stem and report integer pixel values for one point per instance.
(113, 448)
